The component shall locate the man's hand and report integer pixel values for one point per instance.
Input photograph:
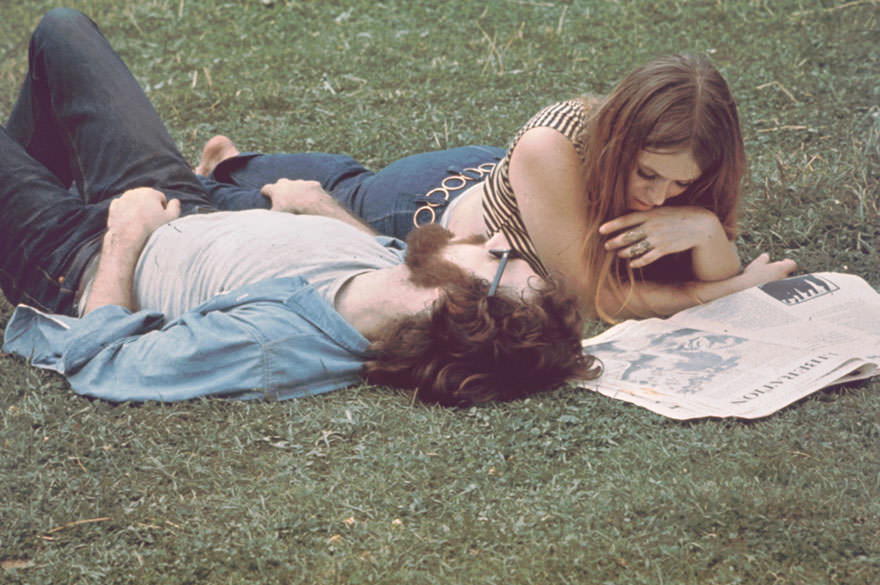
(130, 221)
(309, 198)
(135, 215)
(298, 196)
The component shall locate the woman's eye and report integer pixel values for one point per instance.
(644, 175)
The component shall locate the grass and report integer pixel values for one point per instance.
(361, 487)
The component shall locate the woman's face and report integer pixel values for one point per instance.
(658, 176)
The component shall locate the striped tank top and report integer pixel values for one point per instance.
(500, 210)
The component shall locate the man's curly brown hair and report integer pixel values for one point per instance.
(473, 348)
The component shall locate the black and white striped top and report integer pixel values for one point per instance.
(500, 210)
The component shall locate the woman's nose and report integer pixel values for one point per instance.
(661, 191)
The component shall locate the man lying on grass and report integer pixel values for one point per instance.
(134, 294)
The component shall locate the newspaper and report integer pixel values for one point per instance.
(746, 355)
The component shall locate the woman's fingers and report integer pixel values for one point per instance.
(622, 222)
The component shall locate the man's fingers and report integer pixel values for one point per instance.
(160, 196)
(172, 209)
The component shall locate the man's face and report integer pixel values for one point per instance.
(478, 259)
(434, 261)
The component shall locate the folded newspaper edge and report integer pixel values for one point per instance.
(746, 355)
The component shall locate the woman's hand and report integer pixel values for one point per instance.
(646, 236)
(761, 270)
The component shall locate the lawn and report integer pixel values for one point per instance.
(361, 486)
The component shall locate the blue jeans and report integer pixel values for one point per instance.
(81, 133)
(387, 199)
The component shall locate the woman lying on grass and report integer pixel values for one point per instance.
(630, 199)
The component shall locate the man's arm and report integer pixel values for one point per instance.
(309, 198)
(130, 221)
(260, 341)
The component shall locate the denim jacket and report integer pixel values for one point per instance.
(275, 339)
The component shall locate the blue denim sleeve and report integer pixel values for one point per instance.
(240, 345)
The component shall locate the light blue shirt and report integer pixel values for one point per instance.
(275, 340)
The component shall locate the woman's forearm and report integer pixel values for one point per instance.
(647, 299)
(716, 258)
(650, 299)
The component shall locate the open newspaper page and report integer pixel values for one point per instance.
(745, 355)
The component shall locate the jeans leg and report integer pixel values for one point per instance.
(82, 114)
(389, 199)
(46, 233)
(386, 200)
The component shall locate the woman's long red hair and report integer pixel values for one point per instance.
(670, 104)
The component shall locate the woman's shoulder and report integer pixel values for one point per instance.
(561, 115)
(566, 120)
(542, 145)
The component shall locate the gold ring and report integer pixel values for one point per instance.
(640, 248)
(635, 235)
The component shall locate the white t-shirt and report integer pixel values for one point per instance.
(194, 258)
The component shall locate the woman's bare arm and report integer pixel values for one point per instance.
(546, 176)
(670, 229)
(547, 179)
(655, 299)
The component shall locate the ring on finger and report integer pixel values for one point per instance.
(640, 248)
(635, 235)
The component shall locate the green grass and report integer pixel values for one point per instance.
(359, 486)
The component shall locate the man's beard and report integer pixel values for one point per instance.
(428, 268)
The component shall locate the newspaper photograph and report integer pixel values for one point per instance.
(746, 355)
